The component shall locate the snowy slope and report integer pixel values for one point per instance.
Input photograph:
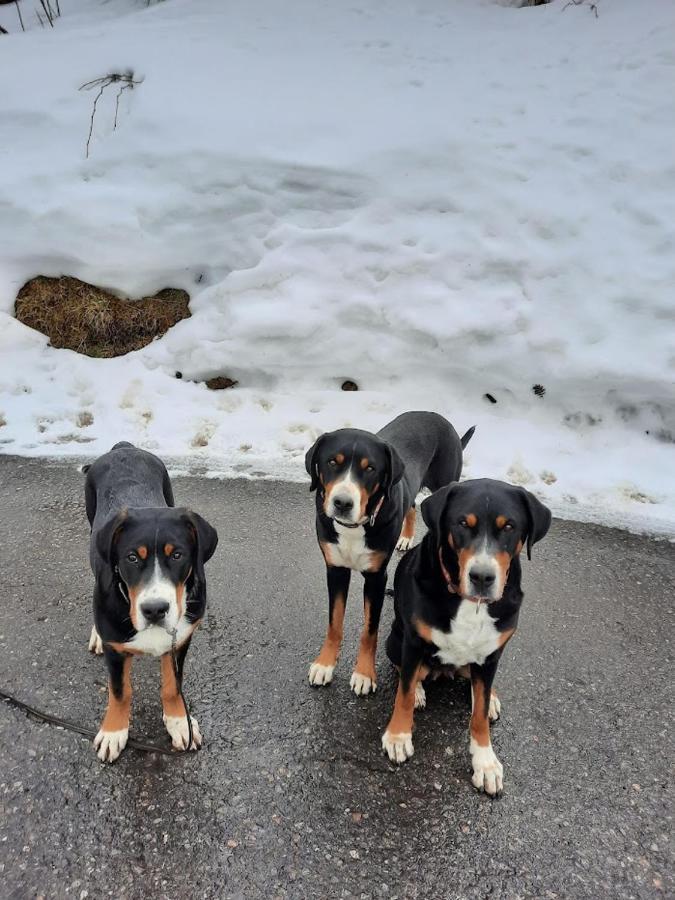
(438, 200)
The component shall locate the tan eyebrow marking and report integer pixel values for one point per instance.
(142, 552)
(339, 458)
(365, 462)
(501, 521)
(168, 549)
(471, 520)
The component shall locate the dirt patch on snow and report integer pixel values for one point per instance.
(82, 317)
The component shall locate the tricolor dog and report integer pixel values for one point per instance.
(366, 486)
(150, 591)
(457, 600)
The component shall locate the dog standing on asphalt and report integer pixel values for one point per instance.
(150, 592)
(457, 597)
(366, 486)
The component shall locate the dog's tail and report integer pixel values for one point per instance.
(467, 437)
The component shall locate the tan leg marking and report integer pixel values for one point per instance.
(397, 738)
(408, 530)
(364, 677)
(321, 670)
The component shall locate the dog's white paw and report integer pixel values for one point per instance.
(177, 726)
(488, 772)
(109, 744)
(362, 684)
(420, 696)
(319, 674)
(404, 543)
(95, 642)
(398, 747)
(495, 708)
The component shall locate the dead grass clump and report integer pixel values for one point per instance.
(85, 318)
(220, 383)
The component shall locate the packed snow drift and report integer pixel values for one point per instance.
(440, 201)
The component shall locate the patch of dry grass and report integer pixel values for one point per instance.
(82, 317)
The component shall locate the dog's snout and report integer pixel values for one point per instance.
(481, 580)
(154, 610)
(343, 505)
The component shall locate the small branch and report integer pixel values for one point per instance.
(128, 83)
(46, 12)
(18, 9)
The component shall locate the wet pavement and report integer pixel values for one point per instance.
(291, 796)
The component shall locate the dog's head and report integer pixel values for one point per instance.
(158, 557)
(486, 523)
(351, 467)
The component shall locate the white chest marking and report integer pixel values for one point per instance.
(350, 550)
(156, 641)
(473, 638)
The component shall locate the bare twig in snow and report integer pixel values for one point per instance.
(128, 83)
(16, 3)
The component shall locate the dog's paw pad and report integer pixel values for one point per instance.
(495, 708)
(420, 696)
(398, 747)
(95, 642)
(404, 543)
(177, 726)
(109, 744)
(319, 674)
(362, 684)
(488, 772)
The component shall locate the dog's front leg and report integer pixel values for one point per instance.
(321, 670)
(397, 739)
(114, 732)
(364, 677)
(174, 712)
(488, 772)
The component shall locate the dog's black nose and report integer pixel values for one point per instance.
(481, 580)
(343, 505)
(155, 610)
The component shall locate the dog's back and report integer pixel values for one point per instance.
(124, 477)
(429, 446)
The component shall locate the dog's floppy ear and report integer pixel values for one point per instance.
(108, 536)
(433, 509)
(205, 539)
(205, 535)
(312, 462)
(538, 519)
(395, 469)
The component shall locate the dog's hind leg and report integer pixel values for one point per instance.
(408, 530)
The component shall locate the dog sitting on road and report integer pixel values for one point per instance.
(150, 592)
(457, 598)
(366, 486)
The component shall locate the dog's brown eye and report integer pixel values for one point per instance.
(463, 523)
(132, 557)
(176, 554)
(508, 526)
(332, 463)
(370, 468)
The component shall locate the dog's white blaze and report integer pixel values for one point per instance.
(483, 561)
(473, 638)
(345, 488)
(350, 550)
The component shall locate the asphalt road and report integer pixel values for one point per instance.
(291, 796)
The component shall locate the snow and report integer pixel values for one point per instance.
(437, 200)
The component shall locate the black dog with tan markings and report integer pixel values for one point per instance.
(457, 600)
(366, 486)
(150, 594)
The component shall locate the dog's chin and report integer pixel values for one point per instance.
(475, 598)
(347, 524)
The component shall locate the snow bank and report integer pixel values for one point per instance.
(438, 201)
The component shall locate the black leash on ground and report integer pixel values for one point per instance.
(72, 726)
